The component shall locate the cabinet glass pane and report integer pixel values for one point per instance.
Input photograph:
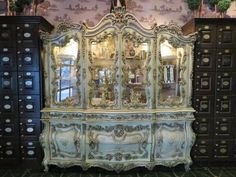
(66, 69)
(102, 72)
(170, 76)
(135, 71)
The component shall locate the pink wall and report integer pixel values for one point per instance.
(147, 11)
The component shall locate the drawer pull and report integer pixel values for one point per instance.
(30, 130)
(6, 97)
(28, 83)
(224, 128)
(27, 59)
(29, 106)
(8, 130)
(206, 60)
(27, 35)
(5, 59)
(30, 152)
(7, 106)
(9, 152)
(8, 143)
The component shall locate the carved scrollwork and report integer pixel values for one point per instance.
(65, 27)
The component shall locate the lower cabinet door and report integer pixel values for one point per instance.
(118, 142)
(65, 141)
(171, 141)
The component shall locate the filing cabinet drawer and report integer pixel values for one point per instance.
(28, 59)
(226, 59)
(7, 35)
(226, 36)
(8, 105)
(203, 126)
(26, 35)
(203, 105)
(202, 149)
(29, 106)
(204, 82)
(8, 127)
(226, 83)
(30, 128)
(205, 59)
(7, 59)
(9, 149)
(223, 149)
(225, 105)
(30, 150)
(224, 127)
(206, 34)
(8, 82)
(28, 82)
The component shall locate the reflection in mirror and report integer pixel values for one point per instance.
(135, 76)
(102, 72)
(66, 69)
(171, 58)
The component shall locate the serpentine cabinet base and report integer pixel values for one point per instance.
(117, 140)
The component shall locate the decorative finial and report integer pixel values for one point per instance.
(118, 4)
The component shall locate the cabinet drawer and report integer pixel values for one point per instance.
(29, 106)
(225, 105)
(226, 83)
(8, 82)
(206, 35)
(29, 82)
(205, 59)
(29, 128)
(204, 82)
(26, 35)
(8, 105)
(9, 149)
(118, 142)
(203, 105)
(28, 59)
(202, 149)
(223, 149)
(224, 127)
(226, 59)
(7, 59)
(202, 126)
(30, 150)
(226, 36)
(7, 35)
(9, 127)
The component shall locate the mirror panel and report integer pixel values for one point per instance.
(102, 68)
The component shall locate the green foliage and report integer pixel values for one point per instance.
(193, 4)
(223, 5)
(212, 3)
(12, 6)
(19, 5)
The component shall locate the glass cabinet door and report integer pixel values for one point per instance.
(170, 92)
(66, 88)
(135, 60)
(102, 71)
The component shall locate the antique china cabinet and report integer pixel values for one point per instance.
(117, 95)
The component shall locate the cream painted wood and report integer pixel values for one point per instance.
(122, 121)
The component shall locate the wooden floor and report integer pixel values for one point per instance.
(140, 172)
